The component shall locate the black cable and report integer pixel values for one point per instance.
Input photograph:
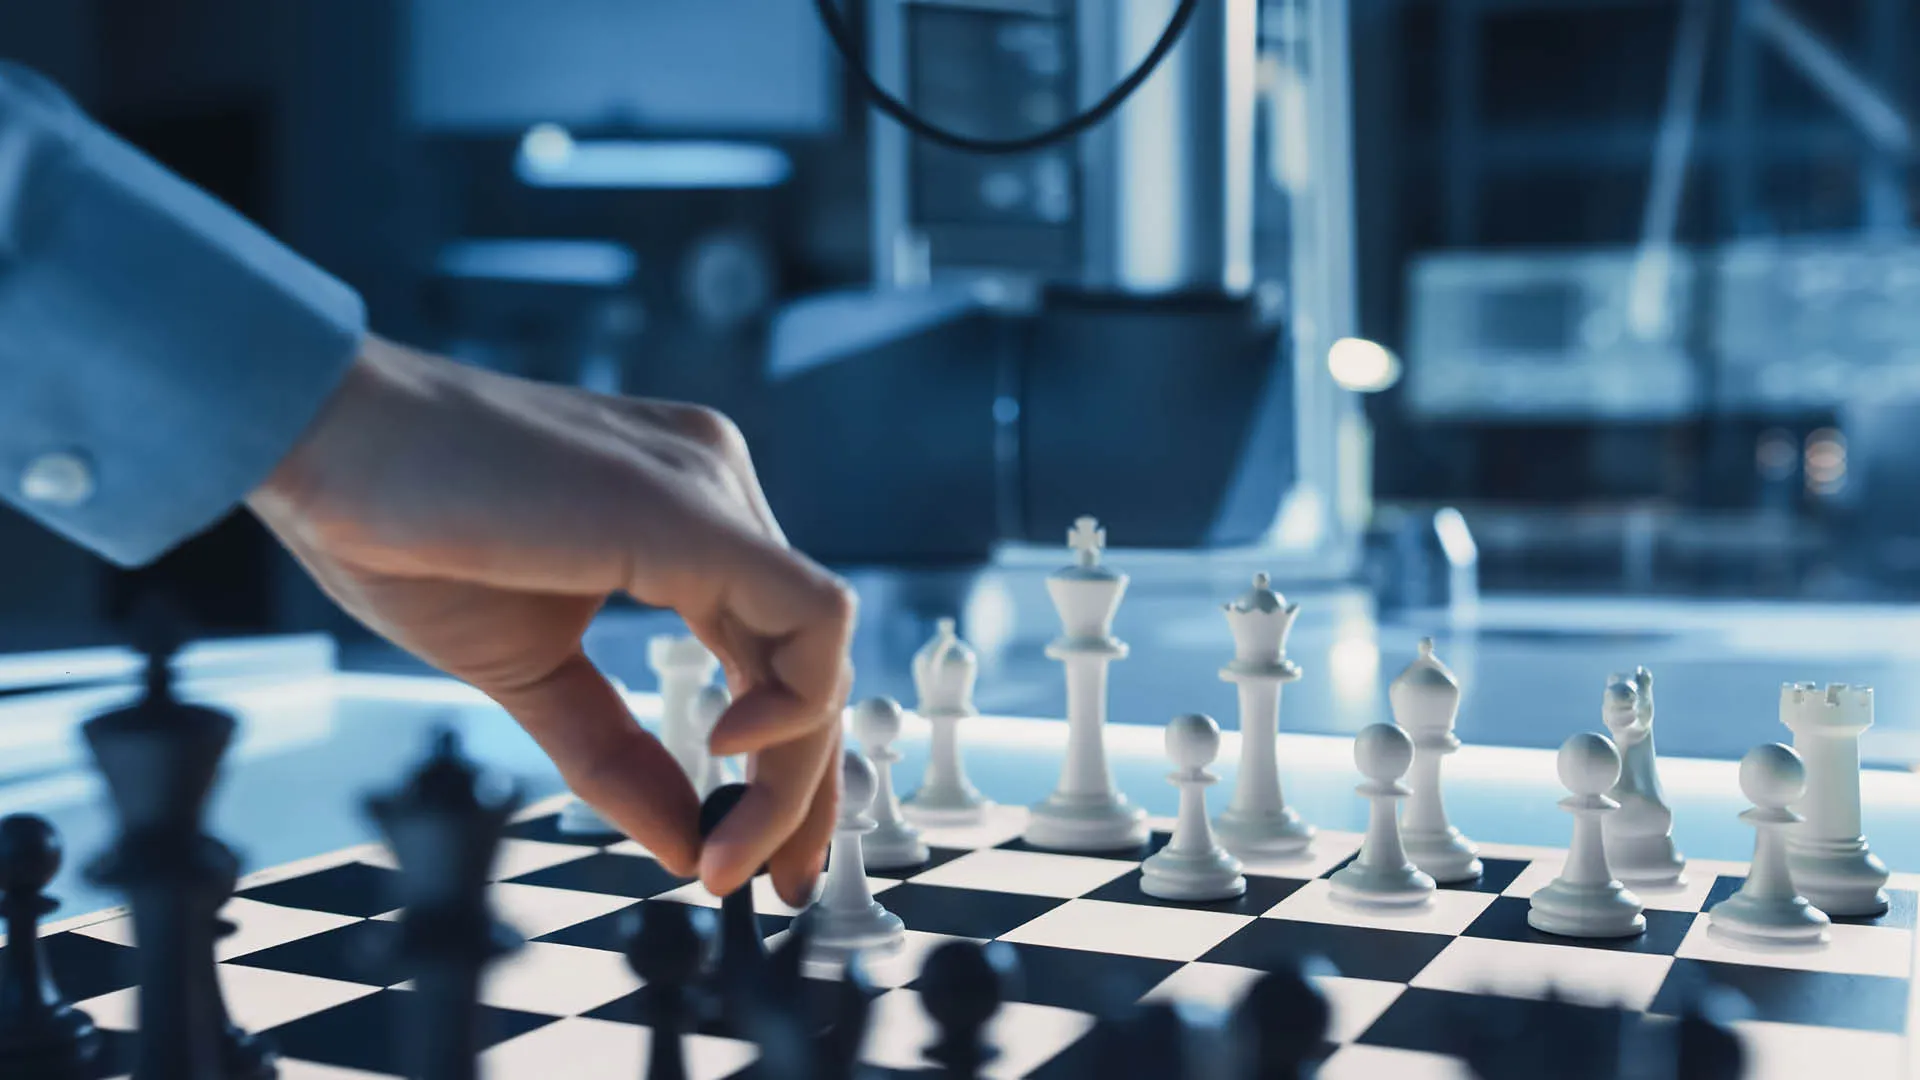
(844, 44)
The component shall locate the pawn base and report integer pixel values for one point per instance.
(892, 846)
(947, 804)
(838, 936)
(1840, 877)
(1375, 886)
(1263, 833)
(1104, 822)
(1649, 861)
(1768, 923)
(1198, 875)
(1443, 855)
(579, 819)
(1586, 911)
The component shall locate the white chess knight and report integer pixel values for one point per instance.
(846, 919)
(1258, 822)
(1767, 911)
(1586, 900)
(1381, 875)
(1639, 835)
(1086, 812)
(1828, 856)
(944, 671)
(1192, 866)
(892, 842)
(1426, 699)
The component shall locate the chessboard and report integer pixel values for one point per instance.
(310, 968)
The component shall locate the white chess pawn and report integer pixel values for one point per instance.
(1425, 700)
(1192, 866)
(1767, 911)
(684, 667)
(1381, 874)
(1258, 822)
(1639, 835)
(1086, 812)
(893, 842)
(1828, 856)
(944, 671)
(846, 919)
(1586, 900)
(708, 706)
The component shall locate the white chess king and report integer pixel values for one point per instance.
(1258, 822)
(1425, 700)
(1086, 812)
(1828, 856)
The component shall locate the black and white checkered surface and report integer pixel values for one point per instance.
(298, 969)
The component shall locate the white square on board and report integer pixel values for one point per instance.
(1450, 911)
(1162, 933)
(1527, 969)
(1026, 873)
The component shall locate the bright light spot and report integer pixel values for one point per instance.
(1353, 664)
(1456, 539)
(633, 164)
(1359, 364)
(546, 146)
(1826, 461)
(988, 618)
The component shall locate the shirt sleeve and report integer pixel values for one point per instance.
(159, 354)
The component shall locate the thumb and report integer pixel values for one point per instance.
(611, 762)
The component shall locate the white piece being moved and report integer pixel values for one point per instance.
(846, 919)
(893, 842)
(1586, 900)
(944, 671)
(1639, 835)
(1828, 856)
(1258, 822)
(684, 667)
(708, 706)
(1767, 911)
(1086, 812)
(1192, 866)
(1381, 875)
(1425, 700)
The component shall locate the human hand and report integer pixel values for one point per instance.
(481, 521)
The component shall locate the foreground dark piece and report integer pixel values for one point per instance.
(41, 1034)
(962, 986)
(159, 758)
(445, 827)
(665, 946)
(741, 960)
(1278, 1028)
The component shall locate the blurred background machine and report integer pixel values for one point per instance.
(1647, 266)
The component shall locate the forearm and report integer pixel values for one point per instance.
(159, 354)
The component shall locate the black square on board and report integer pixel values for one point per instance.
(1900, 904)
(1262, 893)
(1784, 995)
(365, 952)
(817, 1001)
(1136, 853)
(603, 932)
(1088, 982)
(1358, 952)
(354, 888)
(636, 876)
(973, 913)
(1506, 920)
(936, 856)
(547, 830)
(365, 1033)
(84, 967)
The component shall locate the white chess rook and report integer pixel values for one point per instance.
(1426, 700)
(944, 671)
(1381, 875)
(893, 842)
(1086, 812)
(1828, 856)
(1258, 822)
(1767, 912)
(1586, 900)
(1192, 866)
(846, 919)
(1639, 835)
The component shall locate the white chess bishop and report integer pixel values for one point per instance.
(1639, 835)
(1086, 812)
(1426, 699)
(1258, 822)
(1828, 856)
(944, 671)
(1586, 900)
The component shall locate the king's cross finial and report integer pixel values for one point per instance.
(1086, 539)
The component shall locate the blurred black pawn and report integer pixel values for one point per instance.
(1279, 1028)
(41, 1034)
(1706, 1045)
(1144, 1040)
(444, 826)
(740, 965)
(837, 1052)
(666, 944)
(962, 986)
